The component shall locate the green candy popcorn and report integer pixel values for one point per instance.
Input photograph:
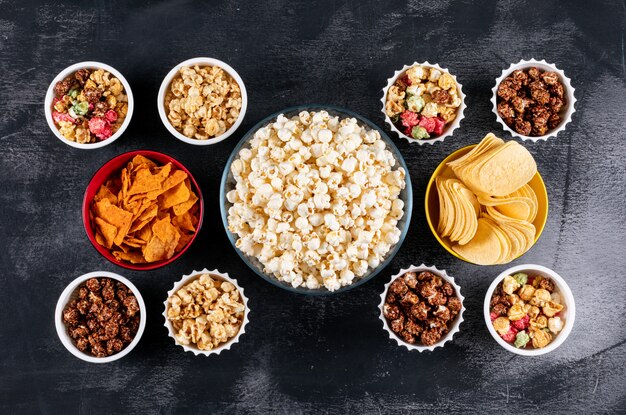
(521, 278)
(415, 103)
(521, 339)
(419, 133)
(73, 92)
(81, 108)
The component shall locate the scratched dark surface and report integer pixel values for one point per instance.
(304, 354)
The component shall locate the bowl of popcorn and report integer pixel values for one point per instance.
(423, 103)
(206, 312)
(421, 308)
(100, 317)
(529, 310)
(533, 100)
(202, 101)
(316, 199)
(89, 105)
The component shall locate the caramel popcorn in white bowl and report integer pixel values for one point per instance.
(316, 199)
(202, 101)
(206, 312)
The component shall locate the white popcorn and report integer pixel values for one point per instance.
(316, 200)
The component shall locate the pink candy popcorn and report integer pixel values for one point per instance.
(111, 116)
(100, 127)
(60, 116)
(409, 119)
(521, 324)
(510, 335)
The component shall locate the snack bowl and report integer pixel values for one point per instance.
(69, 294)
(228, 183)
(568, 313)
(458, 319)
(449, 129)
(50, 95)
(431, 200)
(566, 112)
(218, 276)
(112, 168)
(200, 62)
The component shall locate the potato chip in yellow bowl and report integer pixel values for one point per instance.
(487, 203)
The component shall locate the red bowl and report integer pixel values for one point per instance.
(113, 168)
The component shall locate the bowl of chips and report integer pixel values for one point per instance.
(142, 210)
(487, 203)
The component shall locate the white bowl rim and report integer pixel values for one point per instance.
(458, 319)
(62, 329)
(88, 65)
(450, 129)
(564, 291)
(224, 346)
(201, 61)
(569, 91)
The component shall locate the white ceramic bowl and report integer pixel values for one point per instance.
(201, 62)
(70, 70)
(449, 130)
(70, 293)
(568, 314)
(566, 112)
(457, 320)
(224, 346)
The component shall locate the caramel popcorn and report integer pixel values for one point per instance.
(203, 102)
(206, 312)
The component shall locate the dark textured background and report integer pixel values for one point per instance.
(311, 354)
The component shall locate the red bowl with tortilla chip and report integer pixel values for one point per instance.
(142, 210)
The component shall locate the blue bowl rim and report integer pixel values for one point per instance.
(408, 208)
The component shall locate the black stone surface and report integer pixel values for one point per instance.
(304, 354)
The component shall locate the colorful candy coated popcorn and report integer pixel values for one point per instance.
(111, 116)
(59, 117)
(409, 119)
(100, 128)
(521, 339)
(419, 133)
(521, 278)
(521, 324)
(510, 335)
(428, 123)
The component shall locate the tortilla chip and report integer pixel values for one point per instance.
(177, 177)
(175, 196)
(105, 193)
(184, 222)
(185, 206)
(107, 231)
(134, 212)
(116, 216)
(132, 257)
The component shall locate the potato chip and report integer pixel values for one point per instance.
(459, 210)
(485, 247)
(131, 213)
(486, 204)
(509, 167)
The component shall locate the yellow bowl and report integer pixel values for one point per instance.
(431, 201)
